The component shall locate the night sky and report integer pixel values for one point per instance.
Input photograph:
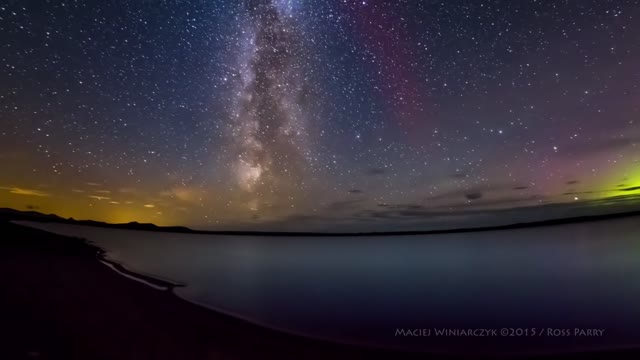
(320, 114)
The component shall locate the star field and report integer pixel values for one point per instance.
(293, 114)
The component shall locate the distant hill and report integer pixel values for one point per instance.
(7, 214)
(14, 214)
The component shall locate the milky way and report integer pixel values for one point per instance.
(269, 121)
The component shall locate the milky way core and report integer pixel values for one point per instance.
(269, 116)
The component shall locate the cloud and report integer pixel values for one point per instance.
(618, 188)
(573, 182)
(93, 184)
(77, 191)
(582, 192)
(355, 191)
(128, 190)
(473, 196)
(375, 171)
(513, 201)
(401, 206)
(468, 193)
(103, 191)
(630, 188)
(478, 206)
(99, 197)
(183, 193)
(522, 209)
(27, 192)
(114, 202)
(411, 217)
(150, 206)
(480, 195)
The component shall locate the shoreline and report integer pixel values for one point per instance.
(452, 355)
(100, 310)
(168, 286)
(60, 301)
(150, 281)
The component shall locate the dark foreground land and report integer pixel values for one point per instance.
(57, 301)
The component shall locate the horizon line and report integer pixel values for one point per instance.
(134, 225)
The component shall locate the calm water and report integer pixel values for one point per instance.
(361, 290)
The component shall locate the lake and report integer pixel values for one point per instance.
(547, 286)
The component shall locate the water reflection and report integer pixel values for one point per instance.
(363, 289)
